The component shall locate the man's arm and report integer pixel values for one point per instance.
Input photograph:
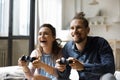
(106, 57)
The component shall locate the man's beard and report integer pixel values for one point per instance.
(79, 40)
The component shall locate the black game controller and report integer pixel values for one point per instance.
(28, 58)
(65, 61)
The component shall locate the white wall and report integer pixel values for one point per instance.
(108, 10)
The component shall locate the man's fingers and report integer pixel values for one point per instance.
(58, 60)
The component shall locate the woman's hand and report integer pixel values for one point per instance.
(76, 64)
(22, 63)
(37, 63)
(60, 67)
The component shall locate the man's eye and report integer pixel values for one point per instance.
(72, 28)
(78, 26)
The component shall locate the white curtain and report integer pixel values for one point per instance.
(4, 17)
(50, 11)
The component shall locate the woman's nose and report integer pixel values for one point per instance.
(42, 35)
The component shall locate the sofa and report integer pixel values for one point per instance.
(16, 73)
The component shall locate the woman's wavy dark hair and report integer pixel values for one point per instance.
(81, 16)
(57, 43)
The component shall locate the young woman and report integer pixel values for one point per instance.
(48, 51)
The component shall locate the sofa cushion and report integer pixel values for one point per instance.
(117, 75)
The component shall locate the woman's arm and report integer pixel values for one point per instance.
(27, 69)
(51, 70)
(38, 64)
(28, 72)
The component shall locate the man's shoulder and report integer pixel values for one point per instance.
(70, 42)
(96, 38)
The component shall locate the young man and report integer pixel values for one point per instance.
(92, 56)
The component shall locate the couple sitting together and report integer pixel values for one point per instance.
(92, 57)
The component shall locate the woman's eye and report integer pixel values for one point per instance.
(46, 33)
(40, 34)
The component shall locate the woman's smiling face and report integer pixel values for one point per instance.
(45, 37)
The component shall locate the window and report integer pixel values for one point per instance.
(16, 29)
(21, 13)
(4, 17)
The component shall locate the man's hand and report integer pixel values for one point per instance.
(76, 64)
(60, 67)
